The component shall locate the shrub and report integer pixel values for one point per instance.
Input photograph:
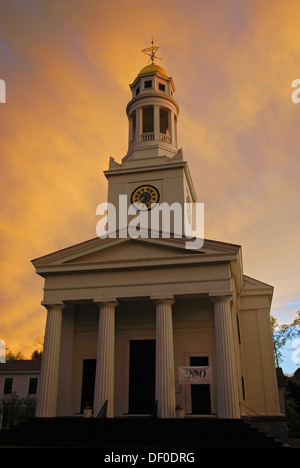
(13, 409)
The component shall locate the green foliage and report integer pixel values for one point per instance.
(292, 414)
(10, 356)
(36, 355)
(13, 408)
(282, 334)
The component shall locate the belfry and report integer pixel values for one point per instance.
(139, 323)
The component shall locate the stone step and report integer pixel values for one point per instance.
(135, 433)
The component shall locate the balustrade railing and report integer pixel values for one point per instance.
(165, 137)
(149, 136)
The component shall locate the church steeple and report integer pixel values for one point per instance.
(152, 113)
(153, 173)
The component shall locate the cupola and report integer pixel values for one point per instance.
(152, 113)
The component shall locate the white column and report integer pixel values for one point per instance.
(156, 124)
(47, 395)
(130, 131)
(104, 382)
(165, 376)
(227, 386)
(139, 124)
(172, 128)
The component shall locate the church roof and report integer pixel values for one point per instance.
(20, 366)
(153, 68)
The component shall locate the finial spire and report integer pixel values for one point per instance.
(151, 51)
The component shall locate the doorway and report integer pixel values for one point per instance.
(200, 393)
(141, 376)
(88, 383)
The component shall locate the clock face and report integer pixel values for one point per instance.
(145, 195)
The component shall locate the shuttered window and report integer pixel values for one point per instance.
(32, 386)
(8, 383)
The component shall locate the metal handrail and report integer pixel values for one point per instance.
(102, 412)
(154, 412)
(277, 423)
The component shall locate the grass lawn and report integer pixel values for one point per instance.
(295, 443)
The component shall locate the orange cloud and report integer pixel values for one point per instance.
(67, 66)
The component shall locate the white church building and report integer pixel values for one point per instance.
(143, 322)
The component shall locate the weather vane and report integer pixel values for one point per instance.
(151, 51)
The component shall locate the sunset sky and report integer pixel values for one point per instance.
(67, 65)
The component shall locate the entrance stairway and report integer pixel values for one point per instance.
(135, 433)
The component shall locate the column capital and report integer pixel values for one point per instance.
(221, 298)
(162, 300)
(111, 302)
(53, 305)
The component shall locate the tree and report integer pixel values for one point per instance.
(13, 408)
(282, 334)
(39, 343)
(38, 352)
(36, 355)
(10, 356)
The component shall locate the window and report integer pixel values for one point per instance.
(32, 386)
(161, 87)
(164, 121)
(148, 122)
(132, 127)
(148, 84)
(8, 383)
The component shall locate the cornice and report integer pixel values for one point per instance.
(152, 94)
(147, 168)
(130, 285)
(142, 263)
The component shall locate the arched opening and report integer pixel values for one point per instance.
(147, 123)
(164, 124)
(148, 120)
(132, 127)
(164, 121)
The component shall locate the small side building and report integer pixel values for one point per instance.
(19, 376)
(18, 390)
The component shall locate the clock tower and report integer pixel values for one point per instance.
(153, 172)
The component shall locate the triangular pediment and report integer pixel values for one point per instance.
(131, 249)
(116, 249)
(251, 285)
(115, 253)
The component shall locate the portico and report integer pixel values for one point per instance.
(163, 308)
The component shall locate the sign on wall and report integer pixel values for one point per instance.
(195, 375)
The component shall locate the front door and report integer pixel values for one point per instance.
(200, 393)
(88, 383)
(141, 376)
